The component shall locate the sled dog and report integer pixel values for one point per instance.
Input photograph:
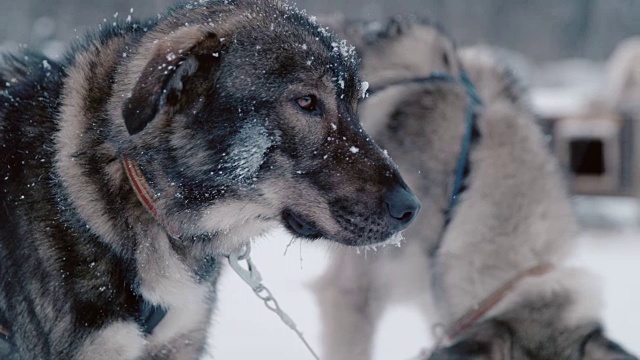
(132, 167)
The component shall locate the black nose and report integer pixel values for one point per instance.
(402, 205)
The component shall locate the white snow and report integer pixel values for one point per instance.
(354, 149)
(245, 329)
(347, 51)
(247, 153)
(364, 87)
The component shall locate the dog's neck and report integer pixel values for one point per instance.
(94, 190)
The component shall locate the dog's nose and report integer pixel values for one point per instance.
(402, 205)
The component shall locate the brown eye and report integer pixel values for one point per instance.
(308, 103)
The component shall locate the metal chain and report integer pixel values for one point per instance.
(252, 277)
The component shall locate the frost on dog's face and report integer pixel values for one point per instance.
(260, 126)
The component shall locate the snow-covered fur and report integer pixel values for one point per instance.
(241, 116)
(514, 215)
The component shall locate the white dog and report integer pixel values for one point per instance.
(484, 259)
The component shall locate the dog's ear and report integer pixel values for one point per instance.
(160, 83)
(598, 347)
(488, 341)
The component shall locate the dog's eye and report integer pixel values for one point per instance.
(308, 103)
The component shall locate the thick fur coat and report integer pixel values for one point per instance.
(240, 115)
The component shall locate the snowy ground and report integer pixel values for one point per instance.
(245, 329)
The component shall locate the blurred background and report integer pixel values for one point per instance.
(543, 29)
(582, 64)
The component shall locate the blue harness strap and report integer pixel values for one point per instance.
(149, 316)
(470, 136)
(6, 346)
(433, 77)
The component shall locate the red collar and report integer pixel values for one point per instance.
(482, 308)
(145, 194)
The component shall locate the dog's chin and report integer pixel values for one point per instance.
(394, 239)
(299, 226)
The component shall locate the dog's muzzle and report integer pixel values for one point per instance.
(402, 206)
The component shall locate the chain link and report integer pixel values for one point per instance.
(252, 277)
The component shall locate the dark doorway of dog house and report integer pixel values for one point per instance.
(586, 157)
(596, 151)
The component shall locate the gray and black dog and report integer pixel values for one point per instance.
(155, 148)
(490, 268)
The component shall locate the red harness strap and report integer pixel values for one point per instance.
(482, 308)
(6, 346)
(140, 186)
(149, 315)
(145, 194)
(4, 331)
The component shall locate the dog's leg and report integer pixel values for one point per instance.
(186, 345)
(347, 308)
(116, 341)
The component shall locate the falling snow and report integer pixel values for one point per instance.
(364, 87)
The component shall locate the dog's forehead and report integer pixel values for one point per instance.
(296, 40)
(271, 44)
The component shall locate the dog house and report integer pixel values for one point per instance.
(596, 153)
(594, 148)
